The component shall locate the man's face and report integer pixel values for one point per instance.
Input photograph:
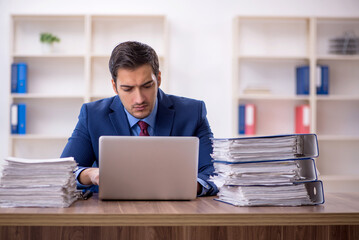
(137, 90)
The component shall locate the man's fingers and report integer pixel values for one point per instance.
(95, 178)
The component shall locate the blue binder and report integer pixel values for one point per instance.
(323, 87)
(14, 78)
(302, 77)
(21, 118)
(241, 119)
(22, 77)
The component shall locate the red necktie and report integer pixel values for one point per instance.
(143, 126)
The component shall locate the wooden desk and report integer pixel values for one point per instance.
(203, 218)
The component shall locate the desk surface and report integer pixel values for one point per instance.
(338, 209)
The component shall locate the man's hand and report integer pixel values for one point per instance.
(90, 176)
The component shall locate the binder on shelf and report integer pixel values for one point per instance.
(14, 118)
(14, 78)
(250, 118)
(241, 118)
(302, 119)
(322, 80)
(21, 118)
(247, 119)
(346, 44)
(21, 77)
(302, 78)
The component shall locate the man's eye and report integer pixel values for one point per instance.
(126, 89)
(148, 85)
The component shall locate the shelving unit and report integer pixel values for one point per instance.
(266, 53)
(75, 72)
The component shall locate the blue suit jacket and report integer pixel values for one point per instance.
(176, 116)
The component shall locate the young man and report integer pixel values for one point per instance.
(139, 101)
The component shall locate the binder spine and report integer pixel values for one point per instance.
(14, 78)
(302, 124)
(14, 118)
(323, 80)
(241, 119)
(21, 118)
(21, 77)
(315, 191)
(302, 77)
(318, 79)
(250, 119)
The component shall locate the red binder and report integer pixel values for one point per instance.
(250, 122)
(302, 119)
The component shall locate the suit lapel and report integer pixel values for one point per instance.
(118, 118)
(165, 115)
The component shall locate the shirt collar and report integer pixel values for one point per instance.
(150, 119)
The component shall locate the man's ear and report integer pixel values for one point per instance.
(114, 86)
(159, 79)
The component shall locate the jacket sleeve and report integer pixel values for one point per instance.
(205, 165)
(79, 144)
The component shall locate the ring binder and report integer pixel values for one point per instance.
(274, 170)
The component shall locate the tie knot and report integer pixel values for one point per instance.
(143, 126)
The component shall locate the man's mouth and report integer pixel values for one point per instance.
(139, 107)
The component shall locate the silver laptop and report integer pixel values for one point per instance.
(148, 168)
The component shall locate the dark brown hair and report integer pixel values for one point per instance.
(131, 55)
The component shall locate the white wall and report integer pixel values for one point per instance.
(200, 41)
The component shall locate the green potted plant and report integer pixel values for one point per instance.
(47, 40)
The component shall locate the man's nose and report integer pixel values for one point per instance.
(139, 97)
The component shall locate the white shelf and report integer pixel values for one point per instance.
(272, 57)
(272, 97)
(101, 96)
(337, 98)
(37, 137)
(337, 118)
(266, 52)
(271, 36)
(329, 28)
(44, 96)
(27, 30)
(339, 178)
(340, 183)
(337, 138)
(99, 55)
(148, 29)
(271, 74)
(75, 72)
(107, 55)
(338, 57)
(48, 55)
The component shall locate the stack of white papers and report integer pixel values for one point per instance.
(258, 173)
(267, 171)
(257, 149)
(276, 195)
(38, 183)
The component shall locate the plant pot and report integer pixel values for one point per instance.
(47, 48)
